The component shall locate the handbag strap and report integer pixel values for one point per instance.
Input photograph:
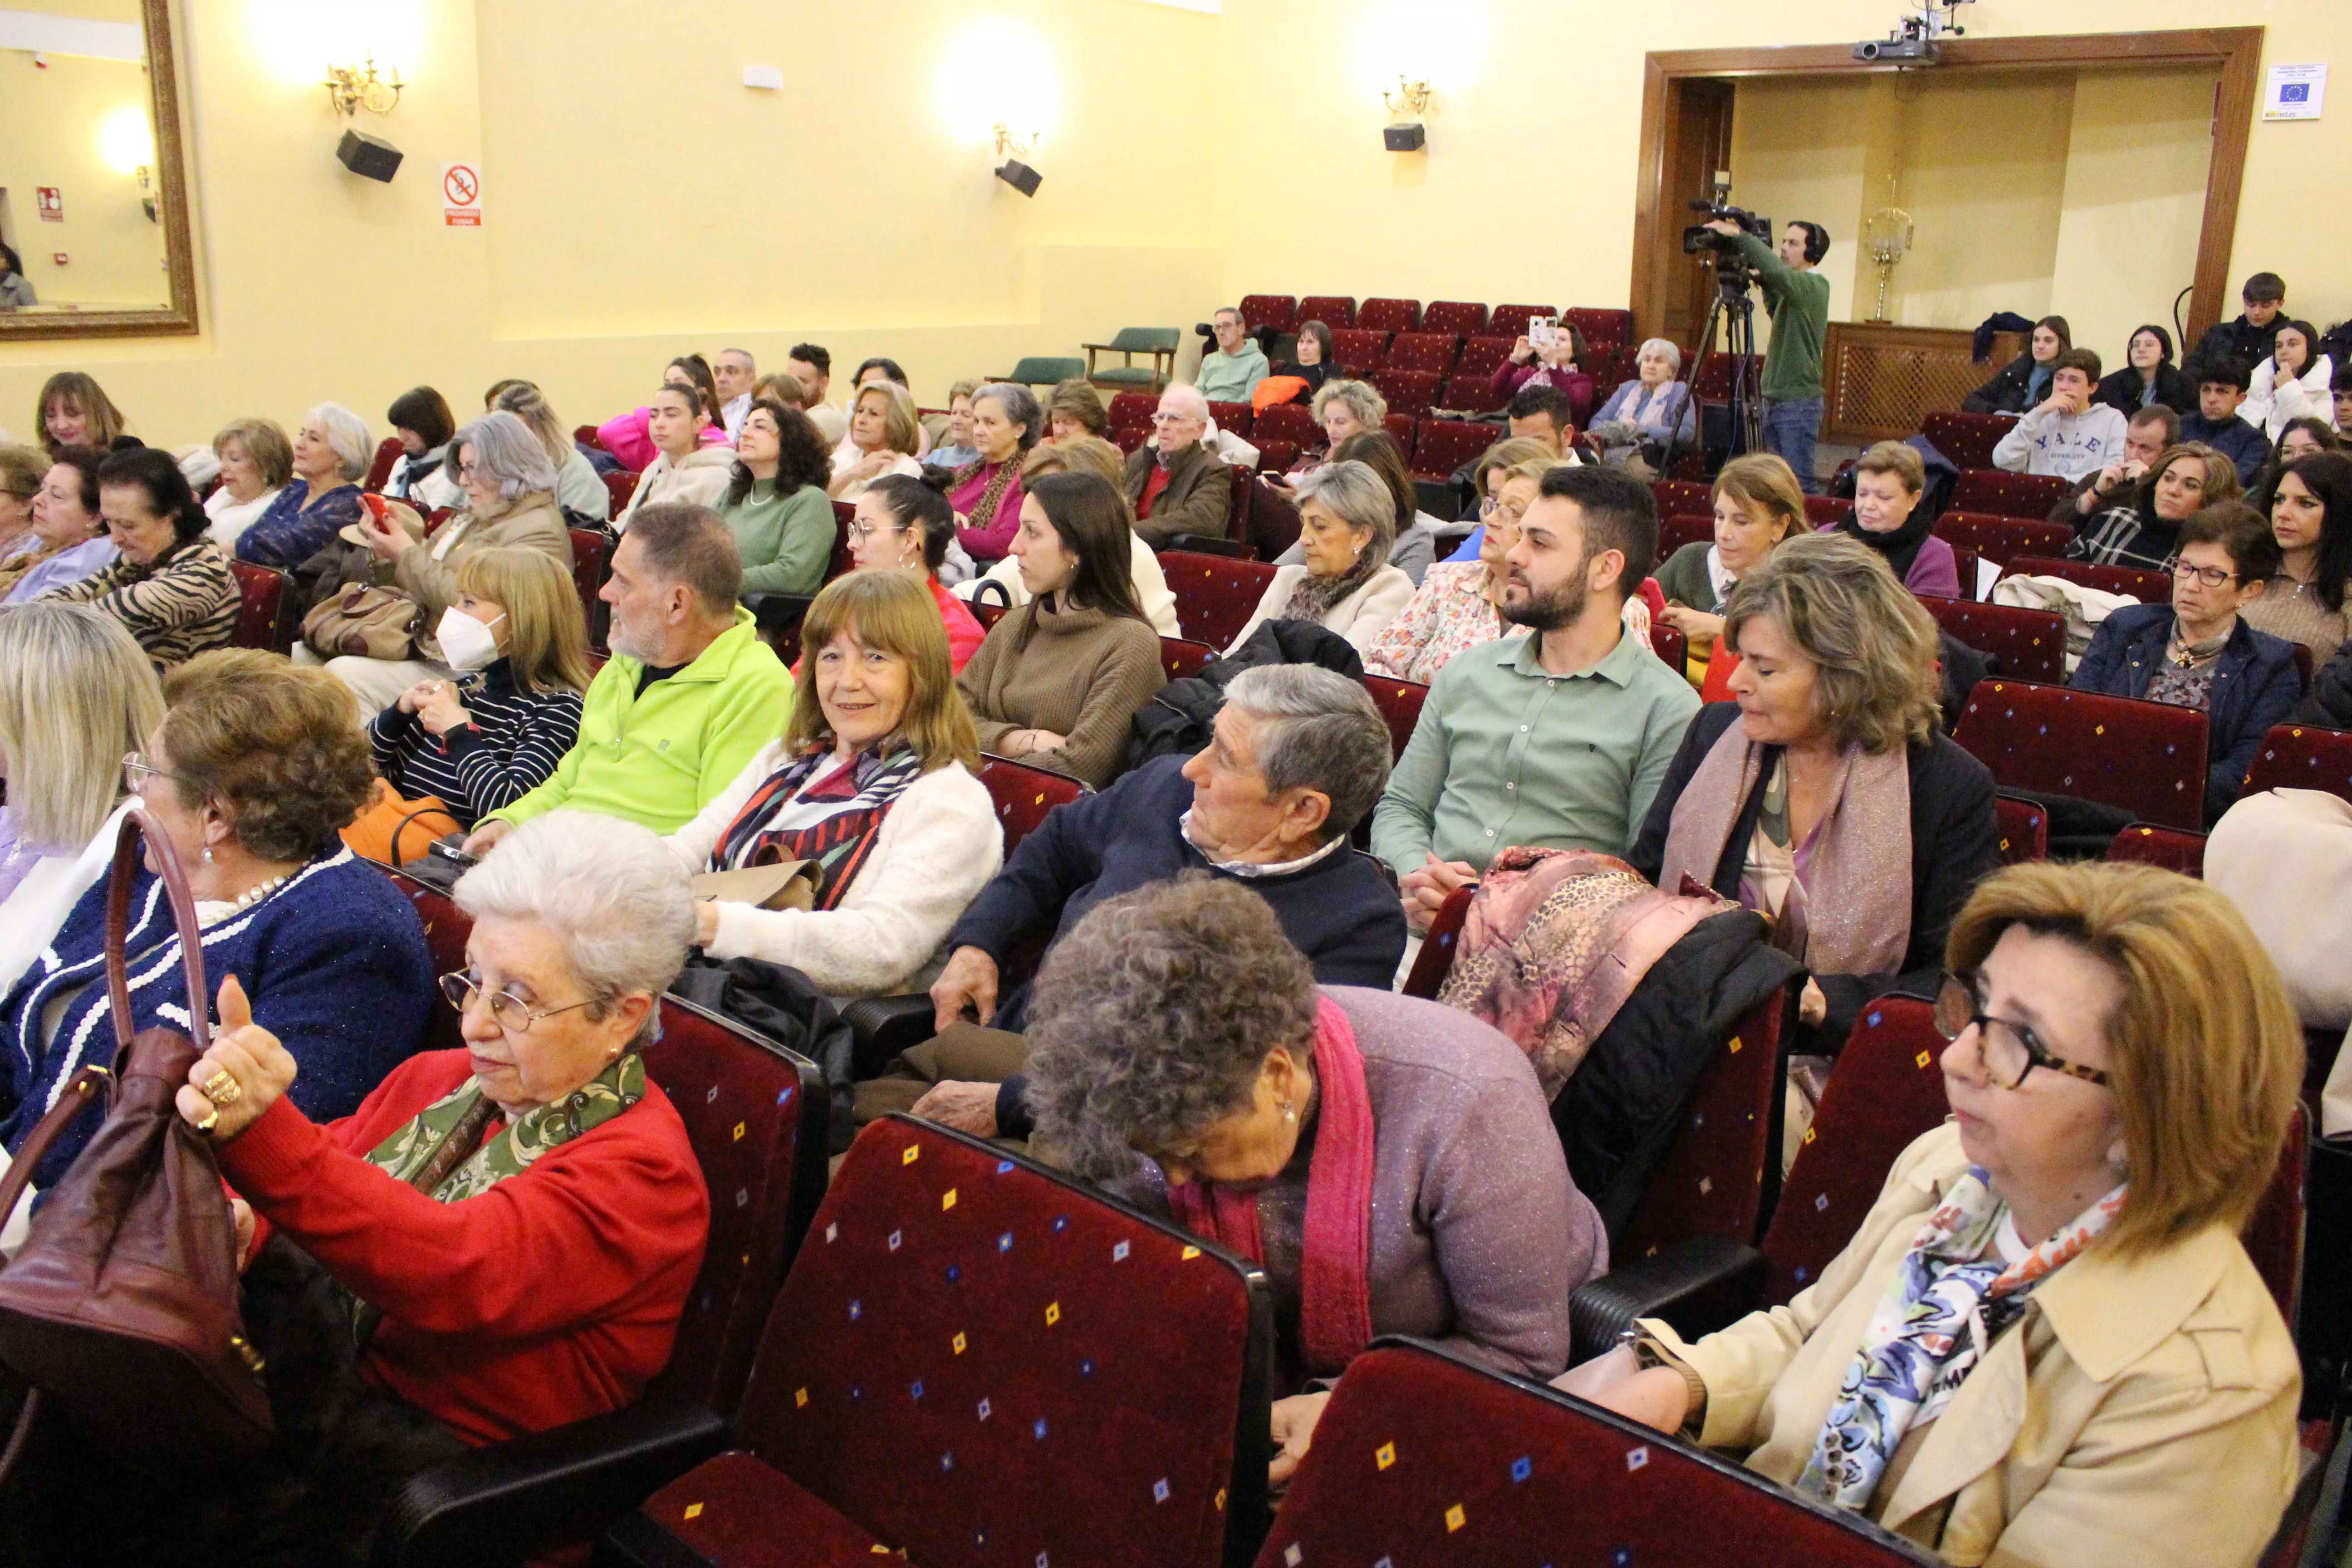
(72, 1101)
(421, 811)
(136, 825)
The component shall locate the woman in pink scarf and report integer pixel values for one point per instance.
(1390, 1163)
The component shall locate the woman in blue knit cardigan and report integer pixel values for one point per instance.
(256, 767)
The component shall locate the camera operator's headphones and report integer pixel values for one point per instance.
(1817, 240)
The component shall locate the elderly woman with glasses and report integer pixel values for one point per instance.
(1459, 604)
(2046, 1344)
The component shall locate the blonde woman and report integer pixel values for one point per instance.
(493, 734)
(874, 779)
(579, 488)
(883, 438)
(1459, 604)
(1343, 408)
(1758, 504)
(256, 462)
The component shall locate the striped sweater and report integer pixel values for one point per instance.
(510, 749)
(183, 604)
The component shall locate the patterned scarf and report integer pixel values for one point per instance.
(805, 813)
(1942, 1311)
(1311, 597)
(983, 512)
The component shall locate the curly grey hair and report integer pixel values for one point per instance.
(509, 452)
(1320, 731)
(1362, 399)
(609, 889)
(1152, 1018)
(347, 433)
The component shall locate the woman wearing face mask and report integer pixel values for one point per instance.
(1888, 481)
(2024, 382)
(485, 739)
(904, 524)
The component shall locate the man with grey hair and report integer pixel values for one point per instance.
(735, 373)
(1233, 369)
(1299, 756)
(1174, 483)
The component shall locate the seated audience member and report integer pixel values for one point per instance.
(1889, 483)
(2065, 434)
(256, 766)
(1555, 364)
(733, 374)
(1231, 372)
(579, 488)
(331, 454)
(2148, 378)
(69, 537)
(687, 470)
(1556, 741)
(2025, 381)
(1343, 408)
(256, 462)
(1175, 484)
(2141, 532)
(420, 419)
(2292, 383)
(905, 524)
(689, 693)
(2199, 652)
(812, 365)
(1074, 409)
(1311, 360)
(1823, 796)
(1653, 411)
(1415, 546)
(515, 640)
(2250, 336)
(2341, 386)
(883, 438)
(1539, 418)
(1057, 680)
(873, 781)
(1260, 1087)
(775, 503)
(2052, 1279)
(786, 388)
(17, 291)
(629, 438)
(21, 469)
(169, 586)
(987, 494)
(2149, 433)
(958, 450)
(1758, 506)
(1346, 518)
(1082, 454)
(2310, 508)
(2220, 393)
(73, 410)
(878, 368)
(1459, 604)
(2302, 438)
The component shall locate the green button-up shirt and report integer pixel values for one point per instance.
(1507, 754)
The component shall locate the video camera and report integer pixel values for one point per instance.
(1698, 236)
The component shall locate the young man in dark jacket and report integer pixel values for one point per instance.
(2251, 336)
(2221, 389)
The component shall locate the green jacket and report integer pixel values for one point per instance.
(1799, 304)
(786, 541)
(659, 758)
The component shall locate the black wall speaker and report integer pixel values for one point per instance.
(1405, 138)
(363, 154)
(1021, 176)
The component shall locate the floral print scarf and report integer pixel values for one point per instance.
(1943, 1309)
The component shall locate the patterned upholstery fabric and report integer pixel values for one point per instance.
(1713, 381)
(1399, 703)
(2024, 830)
(1464, 394)
(258, 589)
(1334, 310)
(2146, 757)
(1024, 795)
(1603, 326)
(2002, 539)
(1422, 351)
(1130, 418)
(1684, 496)
(1402, 427)
(588, 569)
(1273, 520)
(1359, 349)
(1424, 1459)
(1236, 417)
(1435, 961)
(1964, 568)
(1442, 446)
(387, 453)
(1827, 508)
(1276, 456)
(974, 1362)
(1717, 1175)
(2004, 494)
(1480, 355)
(2273, 1237)
(1462, 317)
(1291, 422)
(1279, 312)
(2173, 848)
(1509, 322)
(1684, 527)
(1410, 393)
(2029, 644)
(1215, 594)
(2148, 587)
(620, 484)
(1966, 438)
(1887, 1090)
(2303, 756)
(1182, 659)
(1389, 315)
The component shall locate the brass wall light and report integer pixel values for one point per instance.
(1012, 170)
(1410, 99)
(354, 87)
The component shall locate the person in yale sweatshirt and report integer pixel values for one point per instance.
(2067, 434)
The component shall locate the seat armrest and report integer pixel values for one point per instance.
(494, 1504)
(884, 1025)
(1698, 1286)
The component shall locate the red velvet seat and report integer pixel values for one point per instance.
(1423, 1458)
(2148, 587)
(2029, 644)
(588, 548)
(1214, 595)
(1389, 315)
(1277, 456)
(1613, 327)
(1024, 795)
(1435, 961)
(2146, 757)
(1463, 318)
(1237, 418)
(2148, 844)
(977, 1362)
(387, 452)
(1464, 394)
(1671, 646)
(1967, 439)
(1714, 383)
(1273, 520)
(1402, 426)
(2274, 1236)
(1820, 509)
(260, 589)
(1509, 322)
(2303, 756)
(1279, 312)
(1721, 1168)
(2024, 829)
(1409, 393)
(1334, 310)
(2002, 539)
(1683, 528)
(1480, 355)
(987, 611)
(1359, 349)
(1442, 446)
(1423, 351)
(1181, 658)
(1399, 704)
(1291, 422)
(1688, 496)
(1133, 410)
(585, 435)
(2004, 494)
(620, 485)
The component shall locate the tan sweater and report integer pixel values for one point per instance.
(2293, 611)
(1078, 673)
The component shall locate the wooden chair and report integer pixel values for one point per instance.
(1159, 343)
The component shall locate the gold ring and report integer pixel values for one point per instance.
(222, 1088)
(211, 1121)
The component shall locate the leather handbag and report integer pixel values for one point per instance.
(373, 623)
(122, 1305)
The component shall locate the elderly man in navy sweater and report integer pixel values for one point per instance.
(1299, 756)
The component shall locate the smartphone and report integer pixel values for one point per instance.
(1543, 331)
(448, 849)
(374, 503)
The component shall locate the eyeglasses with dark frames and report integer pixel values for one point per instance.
(2006, 1050)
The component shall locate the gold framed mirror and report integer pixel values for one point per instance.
(93, 192)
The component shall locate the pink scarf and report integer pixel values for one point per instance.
(1336, 1258)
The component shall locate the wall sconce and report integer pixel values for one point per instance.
(1410, 98)
(1013, 172)
(147, 194)
(354, 87)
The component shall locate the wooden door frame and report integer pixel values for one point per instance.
(2237, 51)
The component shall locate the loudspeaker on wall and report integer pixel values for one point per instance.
(366, 156)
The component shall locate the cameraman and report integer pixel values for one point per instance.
(1797, 299)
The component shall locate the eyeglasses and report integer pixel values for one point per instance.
(2006, 1051)
(861, 531)
(1164, 418)
(2211, 576)
(1506, 510)
(507, 1010)
(137, 770)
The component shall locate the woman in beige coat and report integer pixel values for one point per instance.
(2132, 1400)
(1346, 518)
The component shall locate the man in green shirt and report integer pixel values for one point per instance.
(1560, 740)
(1230, 370)
(1797, 297)
(690, 694)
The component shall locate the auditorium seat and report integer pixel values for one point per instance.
(1683, 528)
(1822, 509)
(1967, 439)
(1279, 312)
(2147, 587)
(1401, 427)
(1720, 1171)
(1462, 318)
(978, 1361)
(1399, 704)
(1509, 322)
(1389, 315)
(1684, 496)
(387, 452)
(1024, 795)
(1334, 310)
(1442, 446)
(1613, 327)
(2028, 644)
(1471, 394)
(2147, 843)
(2004, 494)
(1425, 1458)
(1235, 418)
(2001, 540)
(1435, 961)
(260, 589)
(2303, 756)
(2024, 829)
(1275, 455)
(620, 485)
(1480, 356)
(1966, 564)
(2148, 758)
(1181, 658)
(1132, 411)
(1273, 519)
(1359, 349)
(588, 573)
(2274, 1236)
(1291, 422)
(1671, 646)
(1432, 351)
(585, 435)
(1714, 381)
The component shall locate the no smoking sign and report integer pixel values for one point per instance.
(461, 195)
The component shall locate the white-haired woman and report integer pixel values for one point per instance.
(331, 454)
(1346, 518)
(1651, 414)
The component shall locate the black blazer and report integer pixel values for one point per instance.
(1955, 842)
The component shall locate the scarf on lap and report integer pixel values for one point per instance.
(1856, 867)
(1336, 1257)
(1942, 1311)
(805, 813)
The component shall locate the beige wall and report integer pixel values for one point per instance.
(51, 136)
(640, 201)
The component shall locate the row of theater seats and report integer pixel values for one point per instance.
(1461, 318)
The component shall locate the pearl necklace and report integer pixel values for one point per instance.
(226, 907)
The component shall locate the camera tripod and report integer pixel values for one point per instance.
(1733, 314)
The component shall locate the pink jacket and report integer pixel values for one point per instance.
(625, 438)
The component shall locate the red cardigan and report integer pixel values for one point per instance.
(551, 1297)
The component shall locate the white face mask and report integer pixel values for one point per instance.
(466, 643)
